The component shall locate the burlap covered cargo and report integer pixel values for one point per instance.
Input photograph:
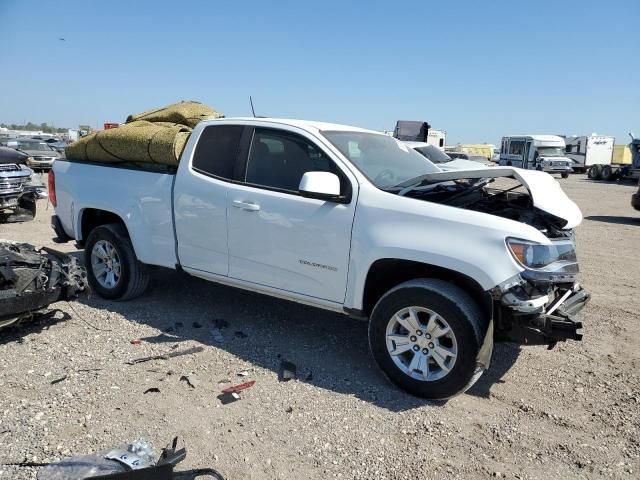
(185, 113)
(156, 137)
(141, 141)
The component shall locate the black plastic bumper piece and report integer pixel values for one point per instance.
(548, 329)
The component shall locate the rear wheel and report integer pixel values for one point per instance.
(425, 336)
(595, 171)
(113, 269)
(606, 173)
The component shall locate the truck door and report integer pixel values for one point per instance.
(200, 200)
(277, 238)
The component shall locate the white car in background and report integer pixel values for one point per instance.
(441, 159)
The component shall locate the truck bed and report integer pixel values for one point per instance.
(144, 198)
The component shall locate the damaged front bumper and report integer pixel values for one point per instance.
(540, 319)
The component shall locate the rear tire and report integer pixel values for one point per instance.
(126, 277)
(606, 173)
(595, 172)
(446, 363)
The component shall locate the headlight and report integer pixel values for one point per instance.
(559, 256)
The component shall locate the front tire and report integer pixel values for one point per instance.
(113, 270)
(425, 336)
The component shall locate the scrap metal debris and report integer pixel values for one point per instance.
(239, 388)
(32, 279)
(226, 398)
(151, 390)
(191, 381)
(166, 356)
(58, 380)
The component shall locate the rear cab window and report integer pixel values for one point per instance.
(217, 150)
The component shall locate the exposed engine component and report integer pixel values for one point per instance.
(30, 280)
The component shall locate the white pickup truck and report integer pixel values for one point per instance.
(348, 220)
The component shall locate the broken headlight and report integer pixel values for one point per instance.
(556, 261)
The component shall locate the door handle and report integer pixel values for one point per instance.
(247, 206)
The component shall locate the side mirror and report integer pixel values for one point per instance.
(320, 185)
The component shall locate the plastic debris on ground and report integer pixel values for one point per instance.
(136, 461)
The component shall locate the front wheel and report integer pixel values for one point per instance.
(425, 336)
(113, 270)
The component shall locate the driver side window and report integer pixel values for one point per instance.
(279, 159)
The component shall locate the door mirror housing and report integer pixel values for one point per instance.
(320, 185)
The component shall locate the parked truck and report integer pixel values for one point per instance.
(617, 168)
(18, 190)
(348, 220)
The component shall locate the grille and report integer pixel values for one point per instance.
(10, 167)
(12, 186)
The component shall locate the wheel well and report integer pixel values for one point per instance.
(386, 273)
(92, 218)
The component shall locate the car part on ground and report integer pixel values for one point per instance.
(31, 280)
(136, 461)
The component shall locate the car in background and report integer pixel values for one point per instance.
(443, 160)
(41, 154)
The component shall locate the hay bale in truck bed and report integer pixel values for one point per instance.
(138, 141)
(185, 113)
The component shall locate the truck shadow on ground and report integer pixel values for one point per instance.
(330, 350)
(614, 219)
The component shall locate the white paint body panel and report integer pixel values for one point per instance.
(306, 250)
(141, 199)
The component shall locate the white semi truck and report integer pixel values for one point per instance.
(586, 151)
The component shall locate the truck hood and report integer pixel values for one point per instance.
(545, 191)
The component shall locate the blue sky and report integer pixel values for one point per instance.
(478, 70)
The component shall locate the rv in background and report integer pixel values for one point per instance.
(589, 150)
(416, 131)
(437, 138)
(536, 152)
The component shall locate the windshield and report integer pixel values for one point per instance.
(550, 151)
(382, 159)
(433, 153)
(37, 146)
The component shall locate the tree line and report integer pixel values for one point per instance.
(43, 127)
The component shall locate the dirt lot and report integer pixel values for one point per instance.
(572, 412)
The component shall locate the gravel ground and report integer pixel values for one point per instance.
(572, 412)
